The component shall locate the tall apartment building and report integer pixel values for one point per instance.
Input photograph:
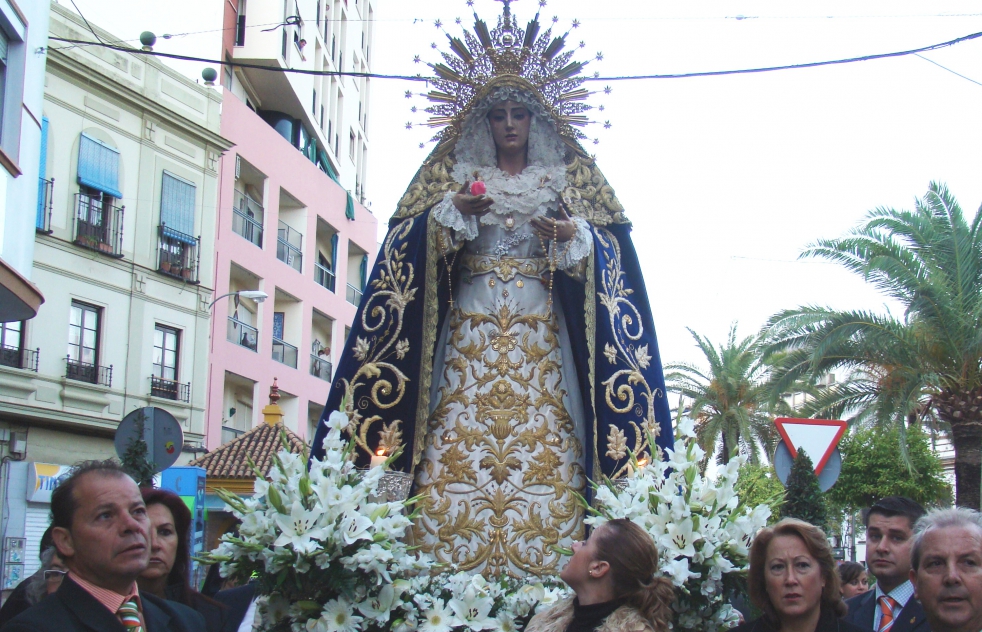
(326, 117)
(291, 221)
(129, 157)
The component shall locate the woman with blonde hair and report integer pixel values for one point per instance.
(793, 580)
(614, 574)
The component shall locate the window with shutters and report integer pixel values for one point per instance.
(178, 250)
(98, 220)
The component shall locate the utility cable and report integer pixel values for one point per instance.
(420, 78)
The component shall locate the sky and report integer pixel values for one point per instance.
(726, 179)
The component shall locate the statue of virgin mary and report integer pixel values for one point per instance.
(504, 347)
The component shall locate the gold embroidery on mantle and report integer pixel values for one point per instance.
(378, 382)
(499, 492)
(626, 328)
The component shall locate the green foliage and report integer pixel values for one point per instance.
(136, 459)
(727, 401)
(803, 497)
(927, 362)
(759, 485)
(871, 470)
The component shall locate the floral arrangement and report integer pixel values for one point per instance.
(328, 557)
(702, 529)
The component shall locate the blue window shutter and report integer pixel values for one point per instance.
(98, 166)
(349, 209)
(177, 208)
(364, 271)
(42, 172)
(334, 253)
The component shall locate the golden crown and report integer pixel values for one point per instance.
(481, 59)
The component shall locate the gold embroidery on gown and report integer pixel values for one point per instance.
(502, 457)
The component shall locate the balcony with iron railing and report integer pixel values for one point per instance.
(242, 334)
(91, 373)
(169, 389)
(178, 255)
(244, 219)
(284, 352)
(353, 295)
(323, 276)
(98, 225)
(289, 247)
(19, 358)
(46, 189)
(319, 367)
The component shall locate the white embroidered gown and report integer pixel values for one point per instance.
(504, 449)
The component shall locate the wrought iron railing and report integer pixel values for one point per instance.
(19, 358)
(284, 353)
(46, 189)
(323, 276)
(244, 219)
(230, 434)
(289, 245)
(178, 255)
(99, 225)
(91, 373)
(169, 389)
(242, 334)
(319, 367)
(353, 295)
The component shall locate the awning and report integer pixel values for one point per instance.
(19, 298)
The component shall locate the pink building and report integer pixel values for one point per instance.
(282, 229)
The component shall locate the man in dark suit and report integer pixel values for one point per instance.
(100, 530)
(892, 607)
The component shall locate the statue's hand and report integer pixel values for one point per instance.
(561, 228)
(471, 205)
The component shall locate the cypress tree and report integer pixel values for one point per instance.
(803, 497)
(136, 458)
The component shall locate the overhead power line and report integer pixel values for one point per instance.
(419, 78)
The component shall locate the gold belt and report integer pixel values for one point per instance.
(505, 268)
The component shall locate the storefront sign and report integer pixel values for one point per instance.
(42, 478)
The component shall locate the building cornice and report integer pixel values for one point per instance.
(83, 74)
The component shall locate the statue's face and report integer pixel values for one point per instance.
(510, 122)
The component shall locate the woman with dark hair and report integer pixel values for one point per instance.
(853, 579)
(793, 580)
(167, 575)
(614, 576)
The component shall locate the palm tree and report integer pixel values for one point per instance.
(927, 362)
(728, 402)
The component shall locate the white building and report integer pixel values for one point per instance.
(123, 255)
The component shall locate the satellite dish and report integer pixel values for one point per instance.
(161, 432)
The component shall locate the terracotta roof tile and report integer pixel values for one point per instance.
(260, 444)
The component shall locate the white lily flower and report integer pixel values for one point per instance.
(355, 526)
(679, 538)
(299, 529)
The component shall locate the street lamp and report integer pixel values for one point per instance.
(257, 295)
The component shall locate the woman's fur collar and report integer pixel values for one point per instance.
(558, 618)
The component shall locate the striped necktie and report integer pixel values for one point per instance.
(129, 614)
(887, 604)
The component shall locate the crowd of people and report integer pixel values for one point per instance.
(117, 558)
